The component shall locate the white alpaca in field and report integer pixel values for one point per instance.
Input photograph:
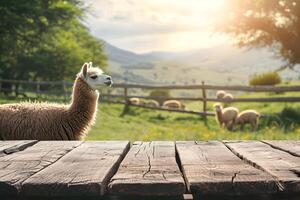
(46, 121)
(248, 116)
(226, 117)
(173, 104)
(220, 94)
(228, 97)
(135, 101)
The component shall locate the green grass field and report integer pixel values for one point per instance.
(144, 124)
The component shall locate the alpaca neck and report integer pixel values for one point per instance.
(219, 116)
(84, 100)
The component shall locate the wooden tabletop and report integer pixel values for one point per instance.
(160, 169)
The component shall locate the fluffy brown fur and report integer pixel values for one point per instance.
(45, 121)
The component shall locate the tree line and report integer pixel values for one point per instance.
(45, 40)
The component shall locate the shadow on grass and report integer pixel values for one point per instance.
(158, 118)
(288, 119)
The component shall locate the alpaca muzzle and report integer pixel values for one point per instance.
(108, 81)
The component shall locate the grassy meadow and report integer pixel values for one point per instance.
(282, 122)
(143, 124)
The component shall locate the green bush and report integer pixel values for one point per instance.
(155, 94)
(288, 119)
(269, 78)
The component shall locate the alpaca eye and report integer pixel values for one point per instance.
(94, 77)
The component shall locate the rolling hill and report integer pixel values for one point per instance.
(217, 65)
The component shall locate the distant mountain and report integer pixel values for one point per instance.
(127, 58)
(221, 64)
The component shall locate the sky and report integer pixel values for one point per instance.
(156, 25)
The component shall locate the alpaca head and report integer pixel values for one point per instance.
(218, 107)
(94, 76)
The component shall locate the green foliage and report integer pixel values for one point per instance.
(269, 78)
(290, 117)
(45, 40)
(260, 23)
(160, 94)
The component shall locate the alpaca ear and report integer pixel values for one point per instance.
(84, 69)
(90, 65)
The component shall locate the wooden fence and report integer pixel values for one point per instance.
(62, 89)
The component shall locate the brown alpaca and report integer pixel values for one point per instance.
(46, 121)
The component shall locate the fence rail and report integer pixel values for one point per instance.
(124, 96)
(215, 87)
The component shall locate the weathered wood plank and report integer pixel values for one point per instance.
(282, 165)
(290, 146)
(210, 168)
(19, 166)
(149, 168)
(10, 146)
(85, 171)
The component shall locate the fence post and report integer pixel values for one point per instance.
(125, 96)
(38, 89)
(109, 95)
(126, 107)
(64, 90)
(204, 99)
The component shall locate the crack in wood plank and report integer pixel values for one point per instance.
(234, 176)
(18, 147)
(50, 163)
(280, 148)
(183, 175)
(278, 182)
(210, 168)
(149, 162)
(149, 168)
(84, 171)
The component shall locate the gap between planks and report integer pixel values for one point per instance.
(12, 180)
(278, 182)
(68, 151)
(207, 172)
(283, 146)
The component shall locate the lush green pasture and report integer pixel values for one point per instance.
(283, 122)
(143, 124)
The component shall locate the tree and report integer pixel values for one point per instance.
(265, 23)
(45, 40)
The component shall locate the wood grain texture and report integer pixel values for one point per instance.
(19, 166)
(85, 171)
(11, 146)
(210, 168)
(149, 168)
(282, 165)
(290, 146)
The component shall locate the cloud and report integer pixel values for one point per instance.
(152, 20)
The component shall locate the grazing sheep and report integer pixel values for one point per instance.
(220, 94)
(226, 117)
(134, 101)
(152, 103)
(173, 104)
(46, 121)
(248, 116)
(228, 97)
